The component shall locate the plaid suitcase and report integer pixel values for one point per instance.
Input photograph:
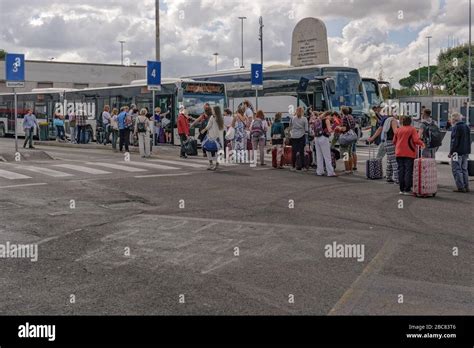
(373, 167)
(425, 177)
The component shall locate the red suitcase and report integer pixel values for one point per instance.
(425, 177)
(287, 156)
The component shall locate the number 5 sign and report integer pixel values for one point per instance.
(257, 76)
(153, 72)
(15, 70)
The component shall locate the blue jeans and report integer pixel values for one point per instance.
(29, 136)
(460, 174)
(81, 134)
(59, 132)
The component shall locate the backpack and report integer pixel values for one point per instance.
(432, 135)
(318, 128)
(127, 121)
(141, 126)
(257, 129)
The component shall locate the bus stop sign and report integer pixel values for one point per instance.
(153, 73)
(257, 76)
(15, 70)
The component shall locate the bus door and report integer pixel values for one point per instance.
(167, 123)
(305, 100)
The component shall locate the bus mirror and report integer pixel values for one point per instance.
(331, 86)
(180, 95)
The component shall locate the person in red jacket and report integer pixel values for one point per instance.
(406, 140)
(183, 130)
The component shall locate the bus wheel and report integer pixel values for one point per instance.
(3, 134)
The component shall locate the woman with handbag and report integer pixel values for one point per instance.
(214, 139)
(278, 136)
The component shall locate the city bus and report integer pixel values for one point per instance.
(333, 87)
(91, 101)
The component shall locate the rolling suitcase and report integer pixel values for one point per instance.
(425, 176)
(373, 167)
(287, 156)
(274, 158)
(470, 167)
(190, 147)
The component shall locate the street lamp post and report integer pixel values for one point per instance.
(260, 37)
(419, 78)
(470, 69)
(157, 30)
(242, 62)
(121, 50)
(429, 71)
(215, 55)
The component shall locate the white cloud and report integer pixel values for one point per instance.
(192, 30)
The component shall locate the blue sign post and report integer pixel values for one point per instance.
(257, 80)
(153, 78)
(153, 75)
(15, 78)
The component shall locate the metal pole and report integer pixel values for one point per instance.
(16, 120)
(121, 50)
(242, 44)
(157, 30)
(468, 111)
(429, 70)
(419, 78)
(261, 41)
(153, 113)
(256, 99)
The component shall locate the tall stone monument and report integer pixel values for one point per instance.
(309, 43)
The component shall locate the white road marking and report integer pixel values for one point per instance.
(153, 165)
(24, 185)
(183, 163)
(82, 169)
(160, 175)
(12, 176)
(117, 166)
(46, 171)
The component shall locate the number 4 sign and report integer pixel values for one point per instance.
(154, 75)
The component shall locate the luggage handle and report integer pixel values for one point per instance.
(419, 152)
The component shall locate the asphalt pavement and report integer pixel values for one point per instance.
(166, 236)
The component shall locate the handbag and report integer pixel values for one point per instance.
(348, 138)
(210, 145)
(230, 134)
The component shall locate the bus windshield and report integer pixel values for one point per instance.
(373, 92)
(349, 91)
(195, 103)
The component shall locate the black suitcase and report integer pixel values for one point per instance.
(190, 147)
(470, 167)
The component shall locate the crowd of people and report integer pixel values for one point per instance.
(309, 139)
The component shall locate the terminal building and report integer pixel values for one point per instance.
(50, 74)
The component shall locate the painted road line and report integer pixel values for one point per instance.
(153, 165)
(160, 175)
(23, 185)
(46, 171)
(183, 163)
(82, 169)
(12, 176)
(117, 166)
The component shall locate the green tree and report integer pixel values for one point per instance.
(418, 79)
(452, 71)
(2, 54)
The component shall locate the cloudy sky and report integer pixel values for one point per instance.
(370, 34)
